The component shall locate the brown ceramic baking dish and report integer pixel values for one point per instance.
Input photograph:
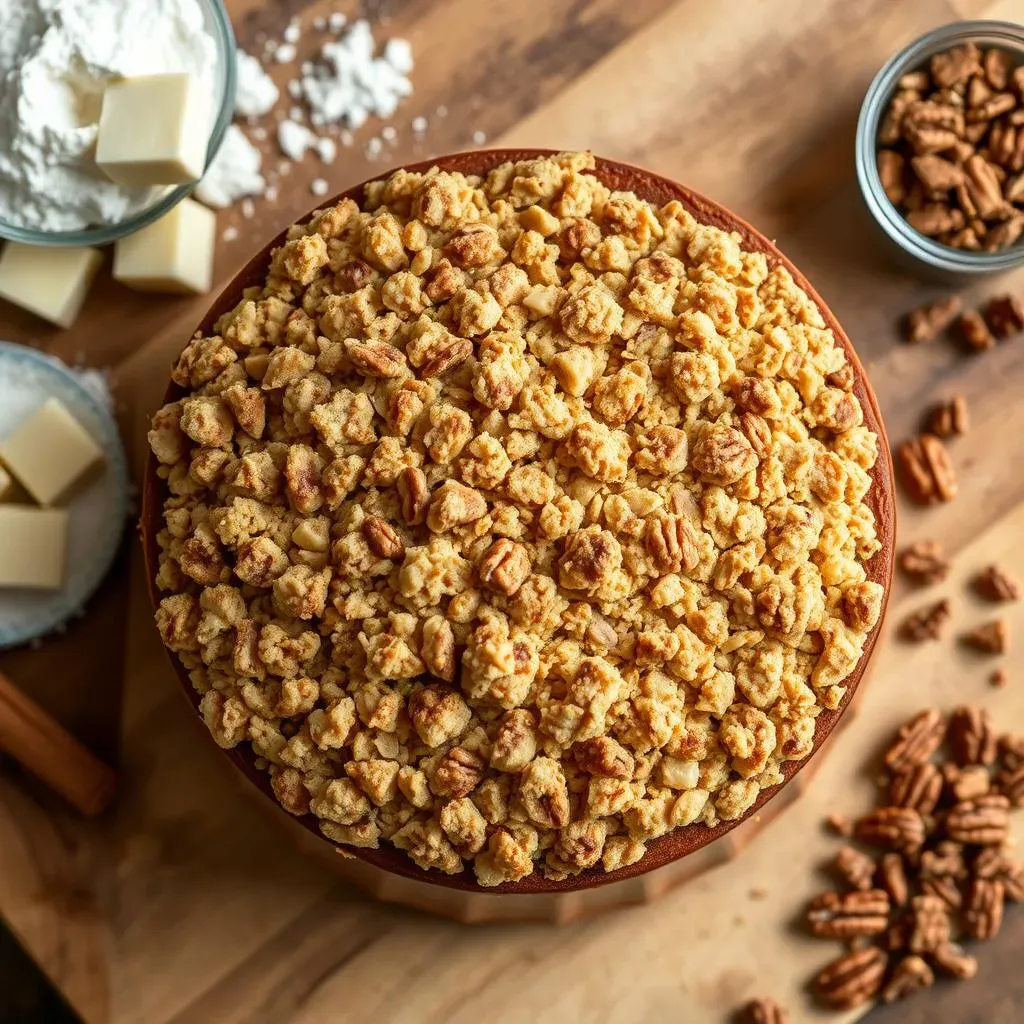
(881, 500)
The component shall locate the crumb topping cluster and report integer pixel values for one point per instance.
(516, 522)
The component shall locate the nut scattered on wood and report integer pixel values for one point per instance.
(927, 322)
(946, 873)
(974, 331)
(998, 678)
(840, 825)
(949, 418)
(1005, 316)
(951, 155)
(928, 473)
(764, 1011)
(991, 638)
(993, 584)
(926, 623)
(924, 562)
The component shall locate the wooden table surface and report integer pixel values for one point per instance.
(753, 102)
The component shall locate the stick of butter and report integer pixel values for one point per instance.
(50, 452)
(48, 281)
(33, 547)
(154, 130)
(174, 254)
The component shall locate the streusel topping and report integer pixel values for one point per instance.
(516, 522)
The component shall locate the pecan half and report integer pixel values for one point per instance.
(376, 358)
(894, 828)
(930, 924)
(505, 567)
(972, 739)
(920, 788)
(834, 915)
(928, 473)
(1011, 785)
(438, 648)
(382, 538)
(764, 1011)
(991, 638)
(853, 979)
(916, 740)
(927, 623)
(984, 821)
(892, 169)
(671, 541)
(994, 584)
(974, 331)
(983, 909)
(604, 756)
(951, 959)
(413, 495)
(458, 773)
(856, 868)
(950, 418)
(910, 975)
(892, 877)
(927, 322)
(924, 562)
(449, 356)
(1005, 316)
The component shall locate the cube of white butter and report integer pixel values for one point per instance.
(50, 452)
(174, 254)
(154, 130)
(33, 547)
(48, 281)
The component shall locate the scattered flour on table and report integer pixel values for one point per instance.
(234, 173)
(256, 93)
(56, 58)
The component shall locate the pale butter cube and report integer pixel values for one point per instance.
(50, 452)
(48, 281)
(33, 547)
(154, 130)
(174, 254)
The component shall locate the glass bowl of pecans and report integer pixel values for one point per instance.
(940, 148)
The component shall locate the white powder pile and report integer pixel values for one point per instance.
(347, 84)
(56, 58)
(234, 173)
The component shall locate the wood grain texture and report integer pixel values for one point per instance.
(187, 906)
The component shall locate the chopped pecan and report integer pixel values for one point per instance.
(991, 638)
(413, 494)
(936, 219)
(505, 567)
(919, 787)
(927, 322)
(972, 739)
(604, 756)
(376, 358)
(927, 623)
(834, 915)
(994, 584)
(757, 432)
(983, 909)
(949, 419)
(983, 821)
(1005, 316)
(916, 741)
(974, 330)
(970, 782)
(856, 867)
(840, 824)
(723, 456)
(438, 648)
(382, 538)
(671, 541)
(852, 979)
(894, 828)
(892, 877)
(1011, 785)
(936, 173)
(951, 959)
(910, 975)
(924, 562)
(459, 772)
(892, 172)
(1010, 748)
(928, 473)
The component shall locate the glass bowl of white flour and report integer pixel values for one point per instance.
(56, 58)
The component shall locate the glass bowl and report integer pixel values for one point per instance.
(942, 258)
(218, 25)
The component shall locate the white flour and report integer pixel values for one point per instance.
(234, 173)
(56, 57)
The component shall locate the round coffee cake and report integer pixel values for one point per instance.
(515, 521)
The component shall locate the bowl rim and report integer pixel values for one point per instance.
(219, 26)
(910, 57)
(681, 841)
